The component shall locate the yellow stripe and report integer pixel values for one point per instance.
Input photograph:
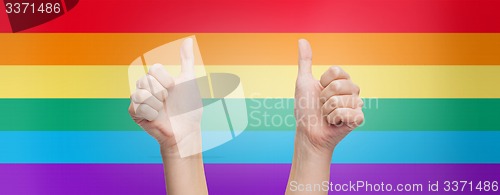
(258, 81)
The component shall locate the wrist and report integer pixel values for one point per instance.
(310, 165)
(183, 175)
(186, 146)
(169, 150)
(306, 148)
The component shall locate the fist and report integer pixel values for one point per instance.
(148, 107)
(326, 110)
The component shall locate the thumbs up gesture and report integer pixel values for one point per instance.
(170, 109)
(326, 110)
(160, 102)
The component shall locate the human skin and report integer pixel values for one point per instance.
(155, 107)
(326, 111)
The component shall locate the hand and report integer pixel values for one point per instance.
(325, 110)
(159, 105)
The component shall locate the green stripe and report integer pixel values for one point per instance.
(264, 114)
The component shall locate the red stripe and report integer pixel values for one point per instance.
(4, 20)
(278, 16)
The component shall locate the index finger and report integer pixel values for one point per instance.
(333, 73)
(162, 76)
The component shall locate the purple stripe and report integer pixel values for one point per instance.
(221, 178)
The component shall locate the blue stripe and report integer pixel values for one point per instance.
(251, 147)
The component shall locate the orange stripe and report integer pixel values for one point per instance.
(257, 49)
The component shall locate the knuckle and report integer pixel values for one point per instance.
(141, 110)
(155, 67)
(360, 101)
(145, 110)
(156, 70)
(358, 120)
(334, 71)
(324, 109)
(138, 84)
(150, 82)
(335, 113)
(135, 97)
(157, 104)
(335, 86)
(169, 82)
(335, 116)
(330, 119)
(164, 95)
(142, 95)
(322, 96)
(357, 89)
(131, 111)
(150, 77)
(334, 101)
(361, 118)
(143, 83)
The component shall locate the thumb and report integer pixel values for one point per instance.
(187, 57)
(305, 58)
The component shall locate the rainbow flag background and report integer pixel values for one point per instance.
(429, 71)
